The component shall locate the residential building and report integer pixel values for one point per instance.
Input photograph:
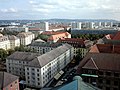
(101, 70)
(16, 62)
(16, 28)
(43, 47)
(8, 81)
(43, 68)
(55, 36)
(26, 38)
(77, 43)
(44, 26)
(14, 41)
(4, 42)
(76, 25)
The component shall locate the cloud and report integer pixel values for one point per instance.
(10, 10)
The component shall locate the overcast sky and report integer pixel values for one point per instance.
(67, 9)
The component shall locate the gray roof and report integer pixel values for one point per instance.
(23, 56)
(12, 37)
(6, 79)
(44, 59)
(45, 44)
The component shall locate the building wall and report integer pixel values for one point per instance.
(106, 80)
(48, 71)
(12, 86)
(16, 67)
(14, 43)
(5, 44)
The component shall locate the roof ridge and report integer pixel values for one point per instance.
(94, 63)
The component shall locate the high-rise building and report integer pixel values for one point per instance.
(76, 25)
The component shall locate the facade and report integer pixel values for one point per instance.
(26, 38)
(76, 25)
(4, 42)
(14, 41)
(43, 47)
(8, 81)
(42, 25)
(78, 44)
(43, 68)
(101, 70)
(16, 62)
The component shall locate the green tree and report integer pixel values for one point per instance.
(3, 54)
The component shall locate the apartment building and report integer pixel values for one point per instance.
(101, 70)
(26, 37)
(16, 62)
(4, 42)
(77, 43)
(17, 29)
(14, 41)
(8, 81)
(43, 47)
(44, 26)
(43, 68)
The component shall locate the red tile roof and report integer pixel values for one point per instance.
(113, 36)
(105, 48)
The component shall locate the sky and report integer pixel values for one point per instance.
(60, 9)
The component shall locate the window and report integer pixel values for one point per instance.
(108, 73)
(33, 69)
(108, 82)
(38, 75)
(38, 79)
(116, 74)
(37, 70)
(116, 83)
(38, 83)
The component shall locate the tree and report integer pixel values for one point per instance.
(10, 51)
(3, 54)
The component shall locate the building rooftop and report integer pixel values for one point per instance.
(23, 56)
(101, 61)
(3, 38)
(12, 37)
(44, 59)
(6, 79)
(77, 84)
(115, 36)
(24, 34)
(105, 48)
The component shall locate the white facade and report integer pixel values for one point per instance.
(76, 25)
(26, 38)
(14, 41)
(39, 76)
(4, 42)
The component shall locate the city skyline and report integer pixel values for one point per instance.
(67, 9)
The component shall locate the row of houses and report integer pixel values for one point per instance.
(12, 41)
